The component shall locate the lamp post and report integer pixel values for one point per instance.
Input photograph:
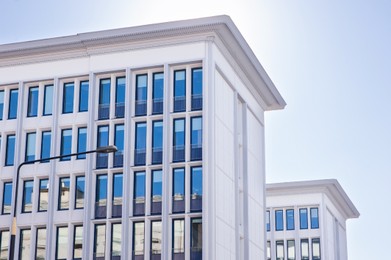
(105, 149)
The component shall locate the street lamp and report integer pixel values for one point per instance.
(104, 149)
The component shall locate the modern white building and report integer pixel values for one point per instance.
(183, 102)
(307, 220)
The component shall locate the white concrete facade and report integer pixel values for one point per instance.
(236, 92)
(318, 211)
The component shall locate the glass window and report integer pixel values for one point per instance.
(63, 196)
(303, 218)
(103, 140)
(45, 144)
(78, 243)
(67, 101)
(4, 243)
(99, 241)
(79, 192)
(139, 193)
(81, 142)
(24, 244)
(196, 138)
(120, 97)
(48, 100)
(291, 250)
(279, 218)
(196, 238)
(10, 153)
(179, 140)
(43, 195)
(116, 238)
(157, 93)
(290, 219)
(1, 104)
(196, 189)
(179, 190)
(13, 104)
(117, 195)
(268, 220)
(62, 243)
(27, 205)
(140, 143)
(40, 249)
(304, 249)
(280, 250)
(119, 143)
(101, 196)
(138, 238)
(141, 95)
(196, 89)
(32, 104)
(268, 251)
(157, 142)
(156, 237)
(314, 218)
(83, 96)
(315, 249)
(178, 236)
(104, 99)
(157, 184)
(179, 90)
(7, 198)
(66, 144)
(30, 147)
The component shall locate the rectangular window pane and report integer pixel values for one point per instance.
(83, 96)
(30, 147)
(104, 99)
(157, 93)
(315, 249)
(43, 195)
(100, 241)
(139, 193)
(7, 198)
(101, 196)
(178, 236)
(196, 189)
(116, 238)
(179, 140)
(81, 142)
(268, 220)
(279, 218)
(304, 249)
(303, 218)
(157, 184)
(24, 244)
(45, 144)
(78, 242)
(13, 104)
(290, 219)
(40, 249)
(196, 138)
(291, 250)
(141, 95)
(10, 153)
(4, 243)
(62, 243)
(138, 239)
(196, 238)
(268, 251)
(280, 250)
(67, 101)
(119, 143)
(32, 104)
(196, 89)
(157, 142)
(117, 195)
(178, 190)
(79, 192)
(103, 140)
(314, 218)
(1, 104)
(27, 205)
(120, 97)
(64, 189)
(66, 144)
(48, 100)
(156, 237)
(179, 90)
(140, 143)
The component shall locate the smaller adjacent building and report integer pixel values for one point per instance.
(307, 220)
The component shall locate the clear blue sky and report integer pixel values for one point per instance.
(331, 61)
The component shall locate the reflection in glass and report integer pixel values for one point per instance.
(81, 142)
(157, 185)
(40, 250)
(303, 218)
(32, 103)
(116, 239)
(120, 97)
(179, 90)
(30, 147)
(315, 249)
(101, 196)
(279, 220)
(290, 219)
(280, 250)
(79, 192)
(179, 140)
(141, 95)
(100, 241)
(196, 138)
(62, 243)
(156, 237)
(304, 249)
(314, 218)
(7, 197)
(78, 242)
(45, 144)
(103, 140)
(64, 189)
(157, 142)
(13, 104)
(157, 93)
(104, 99)
(10, 152)
(119, 143)
(4, 242)
(1, 104)
(140, 143)
(24, 244)
(27, 205)
(291, 250)
(67, 102)
(196, 89)
(268, 251)
(83, 96)
(48, 100)
(117, 195)
(268, 220)
(138, 238)
(179, 236)
(178, 190)
(66, 144)
(43, 195)
(196, 238)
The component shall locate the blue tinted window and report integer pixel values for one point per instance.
(157, 142)
(27, 205)
(64, 193)
(81, 142)
(67, 102)
(314, 218)
(179, 90)
(279, 220)
(157, 93)
(267, 220)
(179, 140)
(104, 99)
(45, 145)
(101, 190)
(79, 192)
(43, 195)
(13, 104)
(48, 100)
(10, 153)
(179, 183)
(140, 143)
(7, 198)
(303, 218)
(66, 143)
(290, 219)
(196, 89)
(196, 138)
(139, 187)
(103, 136)
(117, 189)
(120, 97)
(32, 105)
(141, 95)
(196, 181)
(119, 143)
(30, 147)
(1, 104)
(83, 96)
(157, 183)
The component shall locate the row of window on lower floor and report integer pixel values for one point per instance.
(76, 192)
(290, 219)
(286, 249)
(69, 240)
